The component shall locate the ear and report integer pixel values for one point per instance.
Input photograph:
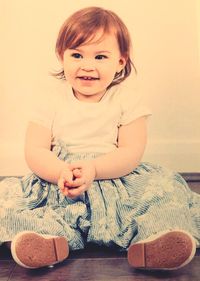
(122, 64)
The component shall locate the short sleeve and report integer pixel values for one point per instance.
(133, 104)
(43, 110)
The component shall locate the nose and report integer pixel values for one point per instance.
(88, 66)
(88, 69)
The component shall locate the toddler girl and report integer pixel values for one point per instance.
(84, 146)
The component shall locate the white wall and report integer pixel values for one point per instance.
(166, 39)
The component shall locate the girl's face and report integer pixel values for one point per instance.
(91, 67)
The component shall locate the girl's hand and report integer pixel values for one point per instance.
(84, 174)
(65, 180)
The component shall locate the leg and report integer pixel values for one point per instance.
(165, 228)
(32, 250)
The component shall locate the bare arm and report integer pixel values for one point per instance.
(131, 144)
(40, 159)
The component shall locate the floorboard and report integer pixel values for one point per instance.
(103, 270)
(96, 264)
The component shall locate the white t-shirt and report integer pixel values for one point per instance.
(89, 127)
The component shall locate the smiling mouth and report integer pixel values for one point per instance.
(88, 78)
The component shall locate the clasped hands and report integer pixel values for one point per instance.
(76, 178)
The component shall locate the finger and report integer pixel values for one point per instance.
(68, 181)
(75, 165)
(65, 180)
(61, 183)
(77, 191)
(68, 184)
(68, 178)
(77, 182)
(77, 173)
(65, 192)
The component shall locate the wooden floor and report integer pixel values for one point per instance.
(96, 264)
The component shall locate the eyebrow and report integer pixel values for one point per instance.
(98, 52)
(103, 52)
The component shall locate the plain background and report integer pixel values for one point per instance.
(166, 48)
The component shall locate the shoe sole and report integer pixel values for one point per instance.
(169, 251)
(32, 250)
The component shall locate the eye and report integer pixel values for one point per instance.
(101, 57)
(76, 55)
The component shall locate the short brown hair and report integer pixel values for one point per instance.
(81, 28)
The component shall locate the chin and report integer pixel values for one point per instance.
(88, 92)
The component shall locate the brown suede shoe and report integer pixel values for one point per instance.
(33, 250)
(168, 250)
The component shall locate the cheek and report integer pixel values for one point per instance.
(109, 72)
(69, 70)
(107, 78)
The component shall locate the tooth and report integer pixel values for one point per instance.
(87, 78)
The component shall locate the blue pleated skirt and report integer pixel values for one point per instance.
(116, 212)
